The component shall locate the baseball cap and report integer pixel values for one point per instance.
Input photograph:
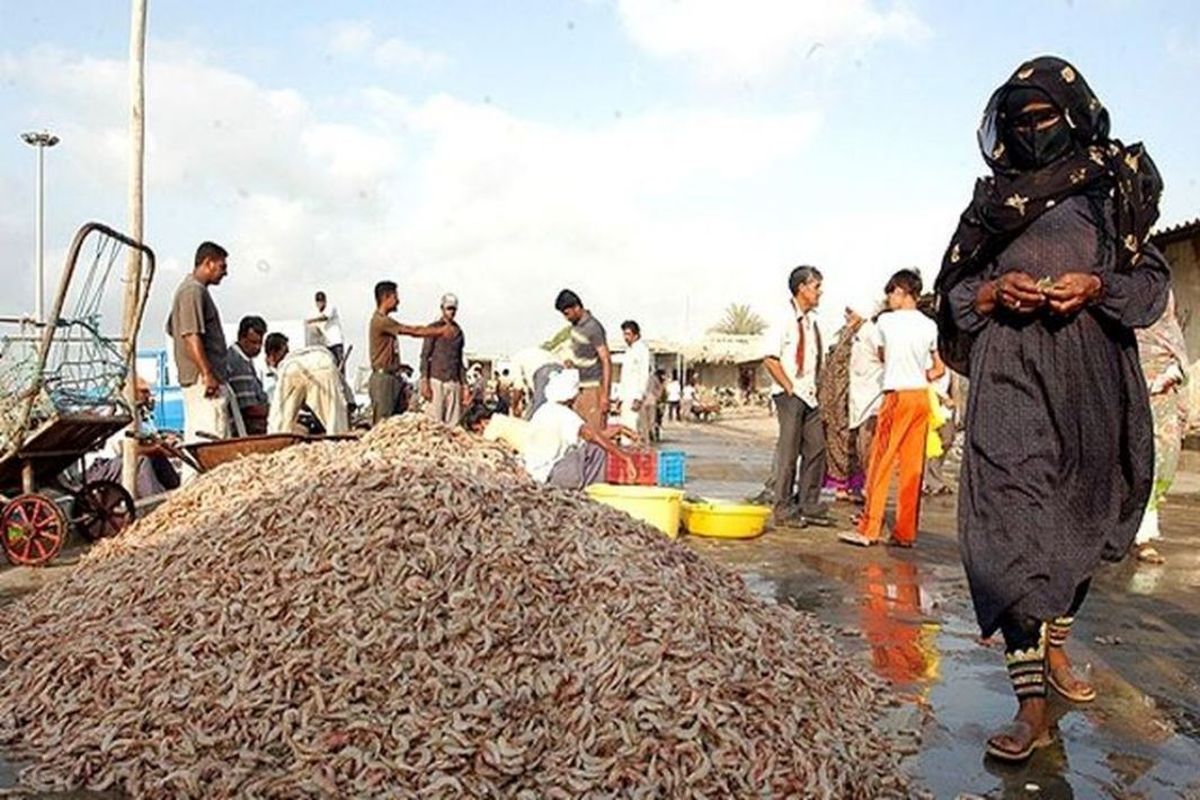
(449, 301)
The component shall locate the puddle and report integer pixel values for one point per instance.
(912, 621)
(1124, 745)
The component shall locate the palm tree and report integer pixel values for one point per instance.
(740, 320)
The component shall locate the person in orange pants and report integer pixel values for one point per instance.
(907, 341)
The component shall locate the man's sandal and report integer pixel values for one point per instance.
(1017, 729)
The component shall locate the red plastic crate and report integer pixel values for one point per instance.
(644, 461)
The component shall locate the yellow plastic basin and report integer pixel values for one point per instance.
(725, 520)
(653, 505)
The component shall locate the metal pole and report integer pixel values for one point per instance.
(40, 246)
(133, 270)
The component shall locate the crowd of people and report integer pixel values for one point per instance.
(1048, 352)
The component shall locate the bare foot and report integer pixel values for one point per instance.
(1064, 680)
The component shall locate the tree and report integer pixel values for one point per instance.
(740, 320)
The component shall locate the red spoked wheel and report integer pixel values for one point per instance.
(102, 509)
(35, 530)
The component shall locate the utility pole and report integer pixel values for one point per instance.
(133, 270)
(41, 141)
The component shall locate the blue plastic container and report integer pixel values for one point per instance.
(672, 469)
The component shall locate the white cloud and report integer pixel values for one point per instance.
(396, 53)
(755, 38)
(664, 216)
(350, 37)
(356, 38)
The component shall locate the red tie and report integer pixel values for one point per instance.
(800, 348)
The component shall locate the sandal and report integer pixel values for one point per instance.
(857, 539)
(1018, 730)
(893, 542)
(1077, 691)
(1148, 555)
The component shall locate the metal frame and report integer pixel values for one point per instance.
(21, 430)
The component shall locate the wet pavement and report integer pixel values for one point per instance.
(909, 613)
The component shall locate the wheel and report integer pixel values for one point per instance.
(102, 509)
(35, 530)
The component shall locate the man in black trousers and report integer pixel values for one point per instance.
(793, 359)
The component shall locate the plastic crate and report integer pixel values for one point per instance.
(644, 463)
(672, 470)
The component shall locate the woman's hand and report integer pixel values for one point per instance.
(1018, 292)
(1073, 291)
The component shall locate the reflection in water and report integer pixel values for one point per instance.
(903, 646)
(1044, 776)
(1145, 579)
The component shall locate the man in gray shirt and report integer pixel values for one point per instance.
(200, 352)
(589, 355)
(442, 369)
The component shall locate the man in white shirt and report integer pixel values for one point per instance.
(329, 326)
(563, 450)
(635, 378)
(793, 360)
(866, 383)
(674, 396)
(907, 342)
(305, 377)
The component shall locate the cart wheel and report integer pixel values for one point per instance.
(35, 529)
(102, 509)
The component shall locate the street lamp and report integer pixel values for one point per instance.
(41, 141)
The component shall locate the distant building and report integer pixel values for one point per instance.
(1181, 245)
(729, 361)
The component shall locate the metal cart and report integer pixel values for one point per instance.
(61, 397)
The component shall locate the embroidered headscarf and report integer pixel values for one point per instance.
(1017, 192)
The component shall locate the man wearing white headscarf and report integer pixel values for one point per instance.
(564, 450)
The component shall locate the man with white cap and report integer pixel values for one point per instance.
(563, 449)
(442, 370)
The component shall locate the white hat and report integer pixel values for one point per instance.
(449, 300)
(562, 386)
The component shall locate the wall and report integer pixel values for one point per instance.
(1185, 276)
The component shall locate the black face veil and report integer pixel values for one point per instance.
(1010, 138)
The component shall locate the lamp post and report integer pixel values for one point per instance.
(41, 141)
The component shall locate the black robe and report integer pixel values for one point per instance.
(1059, 455)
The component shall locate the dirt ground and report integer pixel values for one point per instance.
(909, 613)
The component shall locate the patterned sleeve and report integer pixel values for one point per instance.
(1137, 298)
(961, 300)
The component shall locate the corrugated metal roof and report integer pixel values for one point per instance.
(1177, 232)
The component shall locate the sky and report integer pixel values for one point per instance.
(664, 158)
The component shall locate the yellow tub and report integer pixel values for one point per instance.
(724, 520)
(651, 504)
